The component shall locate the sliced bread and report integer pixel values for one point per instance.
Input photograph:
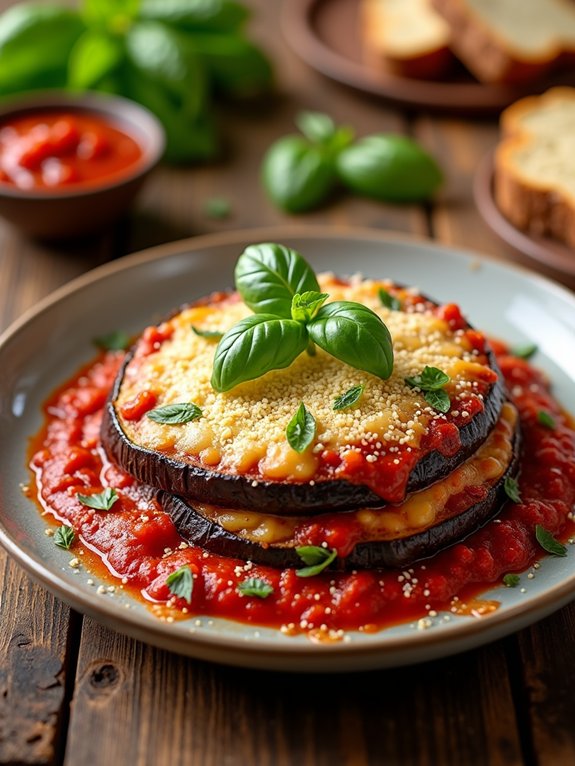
(535, 165)
(407, 37)
(511, 41)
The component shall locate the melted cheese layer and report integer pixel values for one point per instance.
(420, 511)
(243, 430)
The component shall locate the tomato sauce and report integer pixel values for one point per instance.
(56, 150)
(137, 542)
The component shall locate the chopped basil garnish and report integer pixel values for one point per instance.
(439, 400)
(64, 537)
(102, 501)
(431, 379)
(511, 488)
(348, 399)
(523, 352)
(175, 414)
(209, 334)
(255, 586)
(546, 419)
(511, 580)
(316, 558)
(113, 341)
(389, 301)
(548, 542)
(181, 583)
(300, 430)
(431, 382)
(217, 207)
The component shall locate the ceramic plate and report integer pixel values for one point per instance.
(544, 250)
(48, 344)
(326, 35)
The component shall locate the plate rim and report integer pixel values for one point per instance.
(157, 633)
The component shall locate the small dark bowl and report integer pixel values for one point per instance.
(75, 211)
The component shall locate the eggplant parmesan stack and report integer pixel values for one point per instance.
(391, 470)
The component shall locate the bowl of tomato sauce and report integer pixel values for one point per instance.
(72, 164)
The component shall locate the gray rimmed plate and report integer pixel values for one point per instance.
(50, 342)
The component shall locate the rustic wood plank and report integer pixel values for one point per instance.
(186, 712)
(32, 669)
(548, 666)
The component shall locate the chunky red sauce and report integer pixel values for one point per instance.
(52, 150)
(138, 543)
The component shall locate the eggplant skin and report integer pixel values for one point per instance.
(200, 484)
(200, 531)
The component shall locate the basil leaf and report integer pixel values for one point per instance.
(254, 346)
(389, 301)
(113, 341)
(546, 419)
(316, 126)
(267, 276)
(316, 558)
(64, 537)
(523, 352)
(209, 334)
(348, 399)
(297, 176)
(217, 207)
(389, 168)
(117, 14)
(548, 542)
(101, 501)
(175, 414)
(92, 58)
(439, 400)
(511, 488)
(181, 583)
(431, 379)
(304, 306)
(197, 15)
(511, 580)
(236, 67)
(300, 430)
(354, 334)
(254, 586)
(162, 57)
(35, 41)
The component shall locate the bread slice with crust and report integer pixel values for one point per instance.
(535, 165)
(511, 41)
(407, 37)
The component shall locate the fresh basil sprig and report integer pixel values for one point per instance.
(546, 419)
(281, 287)
(431, 381)
(300, 430)
(511, 488)
(117, 340)
(389, 301)
(208, 334)
(511, 580)
(316, 558)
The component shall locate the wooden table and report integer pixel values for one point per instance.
(72, 691)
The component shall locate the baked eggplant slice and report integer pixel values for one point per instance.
(428, 522)
(234, 453)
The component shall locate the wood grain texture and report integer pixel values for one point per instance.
(186, 712)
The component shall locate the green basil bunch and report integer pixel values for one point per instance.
(301, 171)
(173, 56)
(290, 317)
